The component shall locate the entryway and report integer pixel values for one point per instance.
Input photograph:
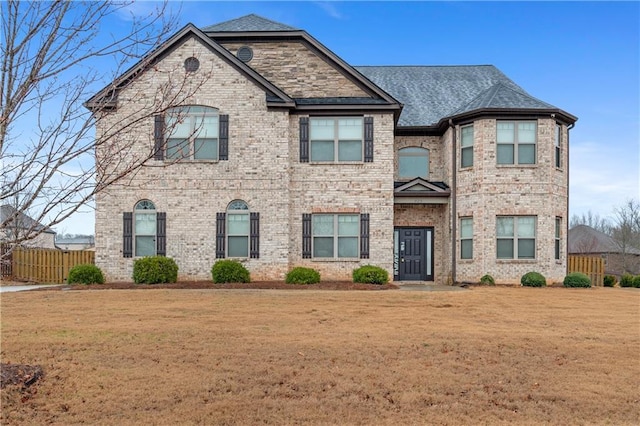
(413, 254)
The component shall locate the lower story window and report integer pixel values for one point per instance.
(516, 237)
(557, 242)
(335, 235)
(466, 238)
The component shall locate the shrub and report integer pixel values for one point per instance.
(487, 280)
(636, 282)
(533, 279)
(609, 280)
(626, 280)
(577, 279)
(85, 274)
(369, 274)
(155, 270)
(302, 275)
(229, 271)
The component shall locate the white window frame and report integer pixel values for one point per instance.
(558, 239)
(516, 143)
(145, 207)
(335, 235)
(237, 208)
(336, 141)
(468, 239)
(193, 115)
(515, 238)
(466, 144)
(558, 146)
(412, 152)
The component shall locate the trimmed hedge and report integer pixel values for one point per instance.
(577, 279)
(609, 280)
(487, 280)
(229, 271)
(626, 280)
(85, 274)
(533, 279)
(636, 282)
(155, 270)
(302, 275)
(369, 274)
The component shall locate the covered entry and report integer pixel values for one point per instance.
(413, 254)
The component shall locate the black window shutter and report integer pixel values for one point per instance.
(254, 236)
(223, 153)
(304, 140)
(127, 234)
(306, 236)
(161, 234)
(368, 139)
(220, 234)
(364, 236)
(158, 137)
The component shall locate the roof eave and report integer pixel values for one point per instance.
(556, 113)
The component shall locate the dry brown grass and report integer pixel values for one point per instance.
(484, 356)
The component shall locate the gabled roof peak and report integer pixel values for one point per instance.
(248, 23)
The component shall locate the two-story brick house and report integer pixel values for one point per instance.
(281, 154)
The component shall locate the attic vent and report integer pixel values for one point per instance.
(245, 54)
(191, 64)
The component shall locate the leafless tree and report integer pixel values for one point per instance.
(626, 233)
(592, 220)
(53, 56)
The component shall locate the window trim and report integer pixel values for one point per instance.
(466, 238)
(336, 139)
(516, 238)
(336, 237)
(237, 208)
(467, 147)
(558, 239)
(135, 234)
(516, 143)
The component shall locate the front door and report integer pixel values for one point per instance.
(413, 254)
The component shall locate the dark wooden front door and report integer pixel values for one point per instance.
(413, 257)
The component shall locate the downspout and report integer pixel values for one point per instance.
(566, 225)
(454, 221)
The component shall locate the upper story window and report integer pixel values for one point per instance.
(413, 162)
(516, 142)
(466, 146)
(558, 146)
(192, 133)
(336, 139)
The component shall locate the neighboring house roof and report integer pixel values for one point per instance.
(431, 94)
(249, 23)
(585, 239)
(79, 239)
(9, 213)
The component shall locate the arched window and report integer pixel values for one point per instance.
(145, 229)
(413, 162)
(192, 133)
(238, 229)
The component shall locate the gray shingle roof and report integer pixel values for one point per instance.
(430, 93)
(585, 239)
(9, 213)
(248, 23)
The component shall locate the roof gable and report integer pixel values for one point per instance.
(502, 96)
(107, 97)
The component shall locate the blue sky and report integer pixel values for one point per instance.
(583, 57)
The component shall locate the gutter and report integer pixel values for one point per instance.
(566, 222)
(454, 212)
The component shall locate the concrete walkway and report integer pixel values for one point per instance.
(13, 288)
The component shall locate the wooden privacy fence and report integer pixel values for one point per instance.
(589, 265)
(47, 265)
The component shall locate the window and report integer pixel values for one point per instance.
(558, 233)
(466, 238)
(238, 232)
(516, 237)
(192, 133)
(145, 228)
(516, 142)
(413, 162)
(557, 145)
(466, 146)
(336, 139)
(335, 236)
